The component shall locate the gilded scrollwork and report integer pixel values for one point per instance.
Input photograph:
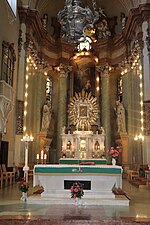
(83, 110)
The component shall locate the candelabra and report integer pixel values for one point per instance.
(26, 139)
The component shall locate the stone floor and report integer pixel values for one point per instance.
(14, 211)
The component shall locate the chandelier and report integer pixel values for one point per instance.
(76, 19)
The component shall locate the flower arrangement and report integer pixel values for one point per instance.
(114, 153)
(23, 185)
(77, 190)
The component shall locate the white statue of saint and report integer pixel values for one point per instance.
(120, 113)
(46, 116)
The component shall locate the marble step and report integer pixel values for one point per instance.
(118, 200)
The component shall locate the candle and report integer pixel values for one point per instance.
(42, 154)
(37, 156)
(45, 156)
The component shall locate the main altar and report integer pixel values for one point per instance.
(83, 160)
(84, 142)
(98, 181)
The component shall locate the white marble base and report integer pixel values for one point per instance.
(53, 177)
(87, 194)
(117, 200)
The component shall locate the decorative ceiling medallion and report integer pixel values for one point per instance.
(83, 110)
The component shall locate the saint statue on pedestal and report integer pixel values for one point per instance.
(46, 116)
(120, 113)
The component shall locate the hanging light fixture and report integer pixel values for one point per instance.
(75, 19)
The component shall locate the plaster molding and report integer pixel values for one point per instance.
(113, 50)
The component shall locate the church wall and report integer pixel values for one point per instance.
(9, 29)
(146, 78)
(146, 64)
(38, 98)
(131, 101)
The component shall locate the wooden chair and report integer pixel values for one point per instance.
(1, 179)
(4, 177)
(9, 175)
(133, 173)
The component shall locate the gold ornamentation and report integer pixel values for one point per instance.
(83, 110)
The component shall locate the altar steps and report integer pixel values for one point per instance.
(121, 200)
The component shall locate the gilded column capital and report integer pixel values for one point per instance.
(104, 70)
(131, 61)
(28, 45)
(125, 65)
(137, 49)
(63, 70)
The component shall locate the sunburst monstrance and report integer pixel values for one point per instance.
(83, 110)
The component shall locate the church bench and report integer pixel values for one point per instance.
(3, 177)
(132, 171)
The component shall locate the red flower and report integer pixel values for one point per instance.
(113, 152)
(71, 189)
(77, 190)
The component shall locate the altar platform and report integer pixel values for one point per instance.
(98, 181)
(119, 200)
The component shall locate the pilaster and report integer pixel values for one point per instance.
(105, 103)
(63, 71)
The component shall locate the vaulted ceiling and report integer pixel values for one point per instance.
(112, 8)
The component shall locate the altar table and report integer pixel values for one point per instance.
(102, 178)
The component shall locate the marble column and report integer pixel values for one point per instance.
(62, 104)
(105, 105)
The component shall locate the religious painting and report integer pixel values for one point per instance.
(84, 75)
(83, 111)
